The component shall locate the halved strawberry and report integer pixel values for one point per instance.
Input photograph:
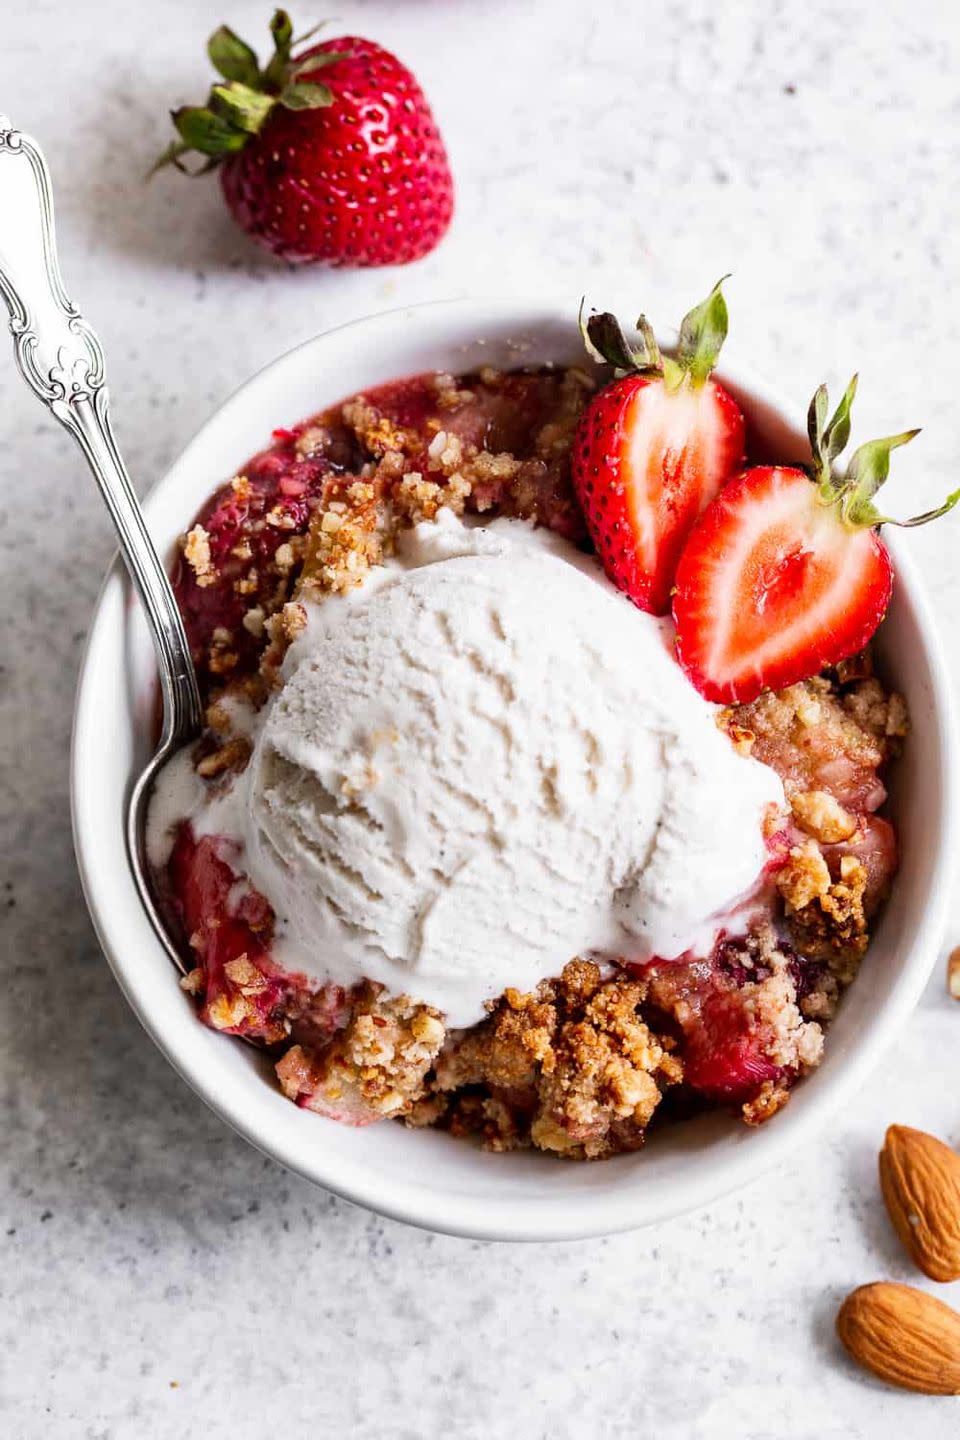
(785, 572)
(654, 447)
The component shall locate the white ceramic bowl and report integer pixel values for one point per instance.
(425, 1177)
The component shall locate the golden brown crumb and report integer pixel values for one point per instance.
(445, 452)
(883, 715)
(450, 394)
(221, 656)
(376, 432)
(312, 441)
(804, 729)
(196, 550)
(232, 756)
(772, 1097)
(742, 738)
(416, 498)
(217, 717)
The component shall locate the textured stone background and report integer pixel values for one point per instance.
(159, 1278)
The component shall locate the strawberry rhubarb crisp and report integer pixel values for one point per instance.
(479, 834)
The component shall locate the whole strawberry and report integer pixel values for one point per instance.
(332, 156)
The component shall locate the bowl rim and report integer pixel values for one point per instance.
(596, 1215)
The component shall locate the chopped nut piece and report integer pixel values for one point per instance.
(312, 441)
(805, 877)
(953, 973)
(822, 816)
(244, 973)
(253, 621)
(228, 1012)
(231, 756)
(772, 1097)
(284, 558)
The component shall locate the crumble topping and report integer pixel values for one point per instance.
(822, 736)
(376, 432)
(832, 925)
(282, 629)
(343, 542)
(805, 877)
(579, 1067)
(374, 1068)
(572, 1068)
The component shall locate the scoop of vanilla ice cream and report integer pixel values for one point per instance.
(485, 762)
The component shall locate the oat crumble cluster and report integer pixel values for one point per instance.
(582, 1066)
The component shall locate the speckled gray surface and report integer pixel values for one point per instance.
(159, 1278)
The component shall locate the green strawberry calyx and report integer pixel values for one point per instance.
(240, 103)
(853, 491)
(702, 333)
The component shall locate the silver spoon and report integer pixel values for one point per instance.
(60, 358)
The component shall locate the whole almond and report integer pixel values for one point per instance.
(920, 1180)
(906, 1337)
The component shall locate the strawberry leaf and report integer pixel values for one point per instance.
(240, 106)
(927, 515)
(309, 34)
(202, 130)
(317, 62)
(281, 28)
(282, 31)
(306, 97)
(170, 156)
(817, 419)
(837, 433)
(607, 344)
(232, 58)
(868, 470)
(702, 333)
(829, 440)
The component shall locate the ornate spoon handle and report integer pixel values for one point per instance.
(61, 360)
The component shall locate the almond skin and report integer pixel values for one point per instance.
(920, 1181)
(906, 1337)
